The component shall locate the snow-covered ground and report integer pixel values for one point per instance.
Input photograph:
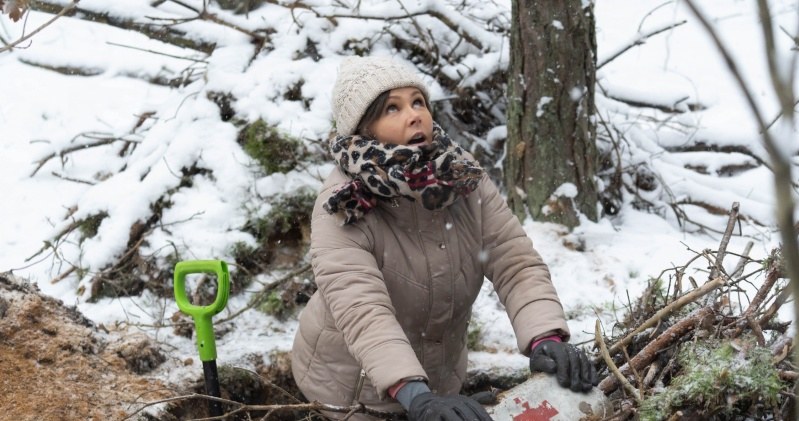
(595, 268)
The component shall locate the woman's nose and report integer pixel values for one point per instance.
(414, 116)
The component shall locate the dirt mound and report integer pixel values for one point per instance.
(56, 365)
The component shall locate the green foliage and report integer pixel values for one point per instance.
(248, 258)
(273, 305)
(274, 151)
(288, 214)
(717, 379)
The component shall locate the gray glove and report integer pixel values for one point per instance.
(423, 405)
(430, 407)
(570, 365)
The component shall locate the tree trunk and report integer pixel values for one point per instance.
(550, 162)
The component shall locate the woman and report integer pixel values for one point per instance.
(403, 233)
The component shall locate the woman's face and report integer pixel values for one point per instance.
(404, 120)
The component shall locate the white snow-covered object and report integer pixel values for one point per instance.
(540, 398)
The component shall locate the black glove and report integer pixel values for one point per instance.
(429, 407)
(570, 365)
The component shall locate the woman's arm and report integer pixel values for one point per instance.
(520, 276)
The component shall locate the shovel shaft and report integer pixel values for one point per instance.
(212, 387)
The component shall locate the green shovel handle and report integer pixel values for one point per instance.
(202, 314)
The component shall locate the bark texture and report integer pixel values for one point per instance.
(551, 135)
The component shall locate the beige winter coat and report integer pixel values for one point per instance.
(396, 291)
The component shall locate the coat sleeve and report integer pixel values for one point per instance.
(348, 278)
(519, 274)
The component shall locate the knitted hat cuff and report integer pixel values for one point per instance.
(361, 80)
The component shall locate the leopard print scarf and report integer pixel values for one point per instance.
(435, 174)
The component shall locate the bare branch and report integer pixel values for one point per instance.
(638, 41)
(83, 146)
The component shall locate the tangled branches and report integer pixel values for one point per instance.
(710, 351)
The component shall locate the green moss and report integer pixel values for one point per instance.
(717, 379)
(274, 151)
(88, 227)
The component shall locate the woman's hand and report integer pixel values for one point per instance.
(570, 364)
(428, 406)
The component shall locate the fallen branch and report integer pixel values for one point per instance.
(650, 351)
(242, 408)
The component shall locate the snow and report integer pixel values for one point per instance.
(595, 268)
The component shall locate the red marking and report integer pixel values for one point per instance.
(543, 412)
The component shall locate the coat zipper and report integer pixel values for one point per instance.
(415, 215)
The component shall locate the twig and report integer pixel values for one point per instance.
(196, 60)
(761, 341)
(61, 153)
(72, 179)
(63, 12)
(638, 41)
(725, 240)
(665, 311)
(63, 275)
(438, 15)
(774, 273)
(603, 350)
(51, 244)
(739, 268)
(651, 374)
(772, 310)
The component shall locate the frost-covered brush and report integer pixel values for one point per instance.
(202, 319)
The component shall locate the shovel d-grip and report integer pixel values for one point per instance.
(202, 315)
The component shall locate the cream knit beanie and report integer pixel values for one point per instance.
(361, 80)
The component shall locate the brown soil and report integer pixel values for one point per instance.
(56, 365)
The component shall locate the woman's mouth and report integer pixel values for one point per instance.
(417, 138)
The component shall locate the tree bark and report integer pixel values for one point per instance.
(550, 163)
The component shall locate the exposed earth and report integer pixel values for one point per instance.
(57, 365)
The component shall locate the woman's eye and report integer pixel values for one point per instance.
(391, 108)
(418, 103)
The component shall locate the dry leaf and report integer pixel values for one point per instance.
(14, 8)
